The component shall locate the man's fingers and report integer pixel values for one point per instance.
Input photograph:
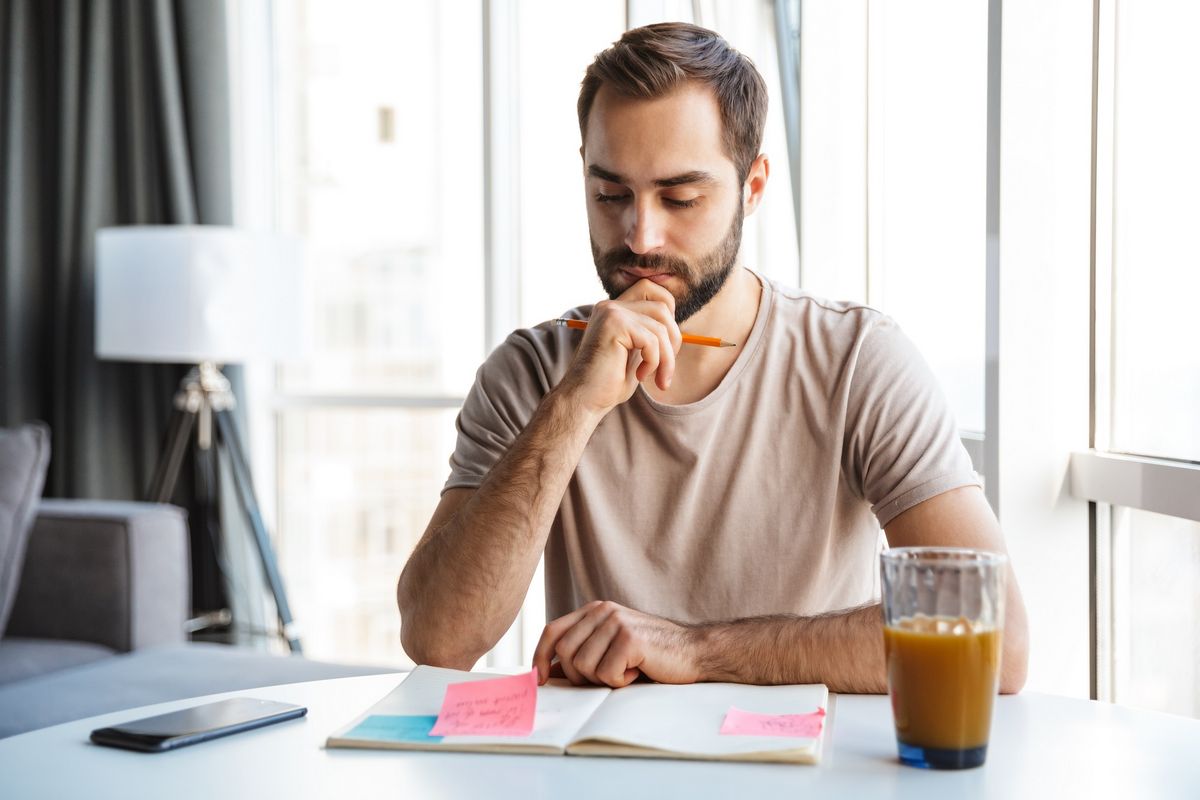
(541, 656)
(646, 289)
(645, 327)
(589, 654)
(620, 664)
(569, 643)
(664, 348)
(569, 671)
(550, 636)
(666, 356)
(643, 339)
(664, 316)
(609, 644)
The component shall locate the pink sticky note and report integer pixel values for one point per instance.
(496, 707)
(748, 723)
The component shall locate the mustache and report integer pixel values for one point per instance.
(623, 257)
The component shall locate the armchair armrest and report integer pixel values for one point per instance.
(114, 573)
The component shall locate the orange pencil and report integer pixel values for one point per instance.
(708, 341)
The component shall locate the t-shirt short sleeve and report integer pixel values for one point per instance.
(508, 388)
(902, 442)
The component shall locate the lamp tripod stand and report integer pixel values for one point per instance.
(205, 397)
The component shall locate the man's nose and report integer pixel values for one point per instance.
(645, 228)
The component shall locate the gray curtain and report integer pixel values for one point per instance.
(113, 112)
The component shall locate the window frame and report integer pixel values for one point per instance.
(1107, 478)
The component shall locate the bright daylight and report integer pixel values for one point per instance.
(599, 398)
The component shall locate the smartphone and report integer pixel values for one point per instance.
(196, 724)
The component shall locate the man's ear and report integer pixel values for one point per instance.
(756, 184)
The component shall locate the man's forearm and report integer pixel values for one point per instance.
(464, 584)
(843, 650)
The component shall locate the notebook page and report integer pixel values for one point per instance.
(561, 708)
(687, 719)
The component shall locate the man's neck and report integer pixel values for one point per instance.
(730, 315)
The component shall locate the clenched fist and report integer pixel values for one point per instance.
(606, 643)
(627, 340)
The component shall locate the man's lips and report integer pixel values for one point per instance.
(658, 277)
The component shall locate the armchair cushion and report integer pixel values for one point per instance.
(24, 454)
(28, 658)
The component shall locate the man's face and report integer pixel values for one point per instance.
(663, 199)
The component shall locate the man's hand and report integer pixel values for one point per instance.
(606, 643)
(627, 340)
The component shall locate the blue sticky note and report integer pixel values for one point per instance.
(391, 728)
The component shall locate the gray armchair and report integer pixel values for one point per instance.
(98, 621)
(99, 578)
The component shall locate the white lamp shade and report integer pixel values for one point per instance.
(192, 293)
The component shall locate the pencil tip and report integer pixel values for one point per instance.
(728, 344)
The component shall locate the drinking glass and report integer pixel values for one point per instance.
(943, 618)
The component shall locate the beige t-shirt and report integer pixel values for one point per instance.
(767, 496)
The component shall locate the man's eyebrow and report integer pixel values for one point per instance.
(603, 174)
(695, 176)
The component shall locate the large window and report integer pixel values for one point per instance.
(382, 169)
(356, 486)
(437, 183)
(1156, 611)
(380, 164)
(927, 159)
(1143, 472)
(554, 260)
(381, 172)
(893, 172)
(1155, 127)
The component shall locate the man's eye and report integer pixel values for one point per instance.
(601, 197)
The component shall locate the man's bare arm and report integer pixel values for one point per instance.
(607, 643)
(465, 581)
(845, 649)
(963, 518)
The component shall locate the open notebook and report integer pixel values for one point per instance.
(647, 720)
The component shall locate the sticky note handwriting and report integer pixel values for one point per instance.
(495, 707)
(749, 723)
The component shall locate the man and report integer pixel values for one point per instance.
(705, 513)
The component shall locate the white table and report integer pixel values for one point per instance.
(1042, 746)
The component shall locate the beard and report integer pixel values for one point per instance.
(702, 279)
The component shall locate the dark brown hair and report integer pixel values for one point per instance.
(655, 60)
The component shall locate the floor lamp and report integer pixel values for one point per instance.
(203, 295)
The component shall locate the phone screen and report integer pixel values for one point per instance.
(196, 724)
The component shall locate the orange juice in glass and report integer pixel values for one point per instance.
(943, 629)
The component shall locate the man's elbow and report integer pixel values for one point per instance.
(436, 651)
(1012, 680)
(428, 642)
(1014, 664)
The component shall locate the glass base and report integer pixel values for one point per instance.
(941, 758)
